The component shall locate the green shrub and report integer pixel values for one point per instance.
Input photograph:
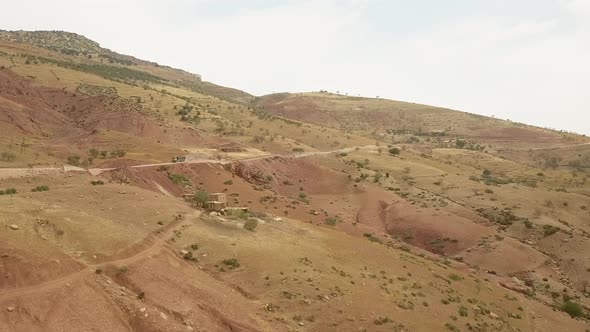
(452, 327)
(251, 224)
(232, 263)
(228, 182)
(93, 153)
(303, 198)
(454, 277)
(550, 230)
(189, 257)
(178, 178)
(201, 197)
(381, 320)
(331, 221)
(237, 213)
(9, 191)
(572, 308)
(97, 182)
(118, 153)
(74, 160)
(40, 188)
(463, 311)
(394, 151)
(7, 156)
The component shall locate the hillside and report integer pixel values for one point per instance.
(387, 118)
(362, 214)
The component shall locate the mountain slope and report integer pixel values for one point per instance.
(362, 214)
(385, 118)
(85, 53)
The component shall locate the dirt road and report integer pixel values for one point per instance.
(6, 173)
(153, 242)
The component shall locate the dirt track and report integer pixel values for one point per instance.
(157, 243)
(6, 173)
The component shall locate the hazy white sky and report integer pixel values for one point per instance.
(524, 60)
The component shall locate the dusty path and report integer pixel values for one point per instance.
(158, 242)
(6, 173)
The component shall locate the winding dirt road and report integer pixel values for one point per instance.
(154, 243)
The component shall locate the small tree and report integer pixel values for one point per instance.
(74, 160)
(251, 224)
(572, 308)
(94, 153)
(201, 197)
(394, 151)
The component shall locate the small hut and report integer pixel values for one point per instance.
(216, 202)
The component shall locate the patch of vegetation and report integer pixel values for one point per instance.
(94, 153)
(232, 263)
(406, 304)
(40, 188)
(371, 237)
(381, 320)
(490, 180)
(178, 179)
(200, 198)
(118, 153)
(504, 217)
(331, 221)
(572, 308)
(394, 151)
(451, 327)
(74, 160)
(303, 198)
(463, 311)
(9, 191)
(189, 257)
(97, 182)
(251, 224)
(228, 182)
(528, 224)
(237, 213)
(114, 73)
(455, 277)
(7, 156)
(550, 230)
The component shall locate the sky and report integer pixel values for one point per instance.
(523, 60)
